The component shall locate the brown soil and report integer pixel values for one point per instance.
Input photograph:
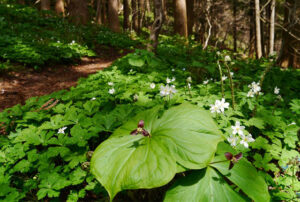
(18, 86)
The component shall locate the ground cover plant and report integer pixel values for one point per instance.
(60, 130)
(36, 39)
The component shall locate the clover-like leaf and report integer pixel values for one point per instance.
(184, 135)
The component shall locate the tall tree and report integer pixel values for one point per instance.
(156, 26)
(180, 18)
(78, 11)
(141, 14)
(190, 15)
(134, 20)
(234, 26)
(113, 18)
(272, 27)
(258, 29)
(45, 5)
(99, 12)
(126, 9)
(60, 7)
(290, 48)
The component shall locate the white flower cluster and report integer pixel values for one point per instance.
(112, 90)
(167, 90)
(219, 106)
(62, 130)
(206, 82)
(254, 89)
(276, 90)
(238, 136)
(168, 80)
(152, 85)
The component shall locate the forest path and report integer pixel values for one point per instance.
(17, 86)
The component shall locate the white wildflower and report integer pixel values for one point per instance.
(218, 53)
(231, 74)
(232, 140)
(173, 70)
(152, 85)
(293, 123)
(222, 104)
(214, 109)
(189, 79)
(255, 87)
(173, 79)
(250, 93)
(227, 58)
(246, 140)
(111, 91)
(224, 78)
(189, 85)
(93, 98)
(110, 83)
(167, 90)
(238, 129)
(276, 90)
(62, 130)
(168, 80)
(183, 69)
(135, 97)
(205, 82)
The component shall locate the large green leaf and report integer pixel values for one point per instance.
(243, 174)
(184, 135)
(201, 186)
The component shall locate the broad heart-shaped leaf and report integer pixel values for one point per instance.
(184, 135)
(243, 174)
(204, 185)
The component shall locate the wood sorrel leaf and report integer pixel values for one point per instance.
(184, 135)
(204, 185)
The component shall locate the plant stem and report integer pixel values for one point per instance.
(231, 86)
(218, 162)
(222, 86)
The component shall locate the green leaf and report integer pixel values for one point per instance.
(204, 185)
(136, 61)
(184, 134)
(245, 176)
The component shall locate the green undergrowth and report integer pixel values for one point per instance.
(39, 160)
(37, 39)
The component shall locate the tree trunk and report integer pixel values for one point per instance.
(113, 18)
(134, 15)
(234, 26)
(21, 2)
(272, 27)
(290, 49)
(258, 29)
(190, 15)
(180, 18)
(45, 5)
(104, 11)
(78, 11)
(126, 9)
(98, 12)
(60, 7)
(141, 13)
(156, 26)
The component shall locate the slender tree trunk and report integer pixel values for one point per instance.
(134, 20)
(262, 33)
(45, 5)
(141, 13)
(272, 27)
(21, 2)
(180, 18)
(126, 8)
(78, 11)
(290, 48)
(104, 12)
(60, 7)
(98, 12)
(252, 45)
(190, 15)
(113, 18)
(156, 26)
(258, 29)
(234, 26)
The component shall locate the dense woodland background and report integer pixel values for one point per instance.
(254, 28)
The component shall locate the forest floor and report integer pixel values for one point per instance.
(19, 85)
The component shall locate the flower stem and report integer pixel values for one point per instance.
(218, 162)
(222, 86)
(231, 86)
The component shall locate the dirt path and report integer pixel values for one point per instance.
(16, 87)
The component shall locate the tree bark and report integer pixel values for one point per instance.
(45, 5)
(190, 15)
(113, 18)
(141, 14)
(272, 27)
(180, 18)
(290, 49)
(78, 11)
(258, 29)
(21, 2)
(98, 12)
(156, 26)
(234, 26)
(60, 7)
(134, 20)
(126, 9)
